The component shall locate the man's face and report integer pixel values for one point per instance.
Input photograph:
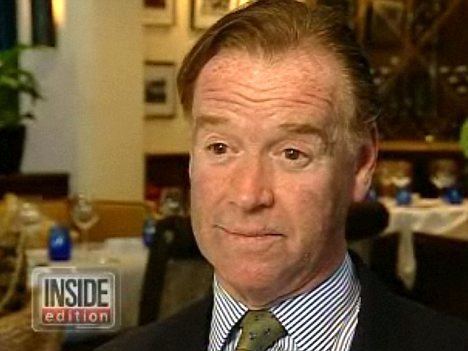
(269, 187)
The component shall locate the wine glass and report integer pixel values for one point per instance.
(401, 179)
(30, 219)
(403, 192)
(444, 177)
(384, 178)
(84, 216)
(443, 180)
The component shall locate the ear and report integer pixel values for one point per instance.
(366, 161)
(190, 165)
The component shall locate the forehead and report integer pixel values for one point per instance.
(296, 75)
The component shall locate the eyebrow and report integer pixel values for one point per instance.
(303, 129)
(290, 127)
(204, 120)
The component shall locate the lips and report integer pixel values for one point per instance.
(249, 232)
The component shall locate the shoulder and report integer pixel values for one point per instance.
(186, 330)
(418, 325)
(390, 322)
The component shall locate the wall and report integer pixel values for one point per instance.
(169, 44)
(91, 123)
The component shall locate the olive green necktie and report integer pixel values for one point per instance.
(260, 330)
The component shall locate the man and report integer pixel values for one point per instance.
(284, 139)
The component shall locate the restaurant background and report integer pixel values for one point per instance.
(93, 121)
(93, 125)
(90, 123)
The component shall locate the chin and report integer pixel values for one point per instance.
(248, 283)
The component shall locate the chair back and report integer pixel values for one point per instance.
(366, 219)
(118, 219)
(442, 274)
(383, 262)
(57, 210)
(176, 273)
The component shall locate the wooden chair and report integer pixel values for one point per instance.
(57, 210)
(118, 219)
(16, 334)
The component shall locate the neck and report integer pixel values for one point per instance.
(264, 298)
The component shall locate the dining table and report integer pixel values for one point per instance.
(431, 216)
(127, 255)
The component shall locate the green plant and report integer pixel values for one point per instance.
(463, 140)
(13, 81)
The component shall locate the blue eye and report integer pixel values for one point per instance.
(218, 148)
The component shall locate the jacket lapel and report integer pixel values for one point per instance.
(199, 325)
(375, 316)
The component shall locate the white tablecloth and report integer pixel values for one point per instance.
(429, 216)
(129, 255)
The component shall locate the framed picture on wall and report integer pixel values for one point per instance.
(385, 23)
(207, 12)
(158, 12)
(160, 90)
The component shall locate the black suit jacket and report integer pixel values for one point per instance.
(386, 322)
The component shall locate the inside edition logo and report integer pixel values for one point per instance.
(75, 299)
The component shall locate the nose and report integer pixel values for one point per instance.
(251, 186)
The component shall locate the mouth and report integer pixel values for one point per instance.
(249, 232)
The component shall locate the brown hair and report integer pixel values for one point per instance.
(271, 27)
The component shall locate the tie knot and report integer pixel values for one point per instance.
(260, 330)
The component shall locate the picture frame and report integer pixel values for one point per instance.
(160, 89)
(206, 12)
(385, 23)
(158, 12)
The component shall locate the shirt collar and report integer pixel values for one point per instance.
(226, 313)
(312, 319)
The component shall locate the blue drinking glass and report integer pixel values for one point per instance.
(149, 231)
(60, 244)
(453, 196)
(403, 196)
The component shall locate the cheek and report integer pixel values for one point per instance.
(201, 206)
(201, 190)
(201, 173)
(305, 195)
(308, 206)
(205, 194)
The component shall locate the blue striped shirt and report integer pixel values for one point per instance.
(323, 319)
